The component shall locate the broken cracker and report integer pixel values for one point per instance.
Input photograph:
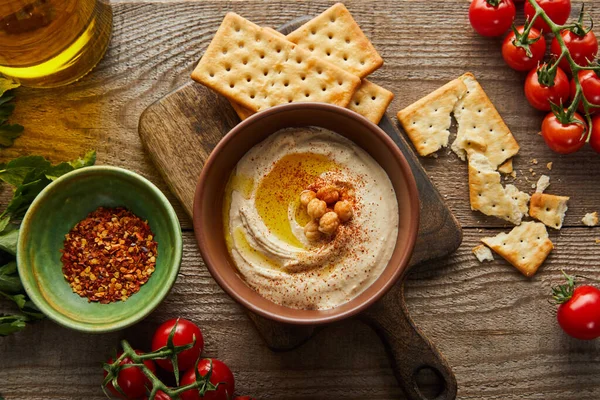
(549, 209)
(525, 247)
(479, 122)
(542, 184)
(487, 194)
(506, 167)
(259, 69)
(590, 219)
(483, 253)
(521, 198)
(427, 121)
(334, 34)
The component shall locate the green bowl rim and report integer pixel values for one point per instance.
(151, 305)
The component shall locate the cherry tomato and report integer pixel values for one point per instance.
(563, 138)
(583, 49)
(579, 317)
(557, 10)
(517, 58)
(595, 134)
(220, 374)
(160, 395)
(132, 380)
(491, 17)
(184, 334)
(243, 398)
(590, 84)
(540, 96)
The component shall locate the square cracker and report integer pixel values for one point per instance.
(479, 121)
(369, 100)
(487, 194)
(427, 121)
(525, 247)
(335, 35)
(549, 209)
(259, 69)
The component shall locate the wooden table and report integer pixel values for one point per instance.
(495, 327)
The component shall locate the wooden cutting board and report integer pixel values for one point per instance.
(180, 130)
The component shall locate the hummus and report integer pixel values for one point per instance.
(264, 219)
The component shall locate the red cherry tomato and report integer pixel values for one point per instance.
(132, 380)
(243, 398)
(184, 334)
(517, 58)
(590, 84)
(595, 134)
(557, 10)
(160, 395)
(540, 96)
(563, 138)
(491, 17)
(220, 374)
(579, 317)
(583, 49)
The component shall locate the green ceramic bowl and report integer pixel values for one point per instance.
(58, 208)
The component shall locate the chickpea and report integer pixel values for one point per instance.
(311, 231)
(306, 196)
(329, 223)
(316, 208)
(328, 194)
(344, 210)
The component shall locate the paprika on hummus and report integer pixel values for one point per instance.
(310, 218)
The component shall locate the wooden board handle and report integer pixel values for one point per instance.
(409, 350)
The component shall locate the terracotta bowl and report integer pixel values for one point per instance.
(208, 203)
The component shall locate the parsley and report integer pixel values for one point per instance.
(28, 175)
(8, 132)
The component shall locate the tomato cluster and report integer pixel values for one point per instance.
(547, 86)
(135, 384)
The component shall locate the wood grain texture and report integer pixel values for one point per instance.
(494, 326)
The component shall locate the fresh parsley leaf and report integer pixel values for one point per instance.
(88, 160)
(8, 132)
(9, 279)
(8, 241)
(12, 323)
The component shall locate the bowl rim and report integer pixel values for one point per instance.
(154, 301)
(413, 226)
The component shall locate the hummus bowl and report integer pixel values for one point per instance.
(373, 176)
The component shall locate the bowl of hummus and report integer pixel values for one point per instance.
(306, 213)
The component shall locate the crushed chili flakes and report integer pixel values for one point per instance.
(109, 255)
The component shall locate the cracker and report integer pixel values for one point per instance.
(525, 247)
(521, 198)
(590, 219)
(506, 167)
(549, 209)
(483, 253)
(487, 194)
(542, 184)
(371, 101)
(259, 69)
(335, 35)
(427, 121)
(479, 121)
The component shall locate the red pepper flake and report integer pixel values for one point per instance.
(109, 255)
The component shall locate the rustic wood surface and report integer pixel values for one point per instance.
(494, 326)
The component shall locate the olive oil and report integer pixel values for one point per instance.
(279, 191)
(48, 43)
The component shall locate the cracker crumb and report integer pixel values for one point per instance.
(597, 240)
(535, 161)
(483, 253)
(514, 174)
(533, 174)
(533, 185)
(590, 219)
(549, 166)
(542, 183)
